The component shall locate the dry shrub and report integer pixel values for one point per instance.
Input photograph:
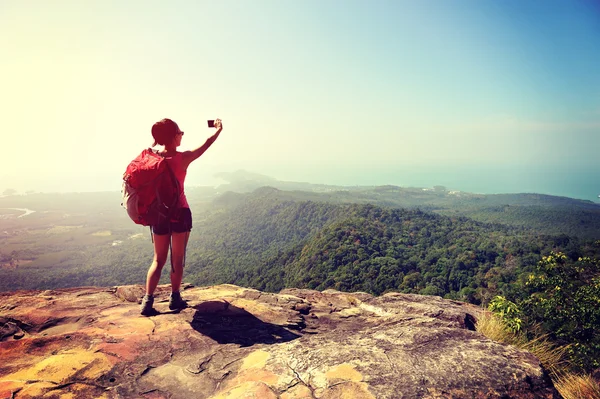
(572, 386)
(551, 356)
(569, 385)
(495, 329)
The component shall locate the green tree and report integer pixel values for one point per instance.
(564, 299)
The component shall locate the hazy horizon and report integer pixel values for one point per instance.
(461, 178)
(479, 96)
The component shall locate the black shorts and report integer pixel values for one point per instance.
(180, 223)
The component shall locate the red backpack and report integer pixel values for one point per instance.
(150, 189)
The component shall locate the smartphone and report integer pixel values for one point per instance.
(211, 123)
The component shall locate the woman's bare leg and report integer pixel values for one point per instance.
(161, 250)
(178, 246)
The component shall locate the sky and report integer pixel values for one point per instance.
(478, 95)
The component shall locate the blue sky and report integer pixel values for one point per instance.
(317, 91)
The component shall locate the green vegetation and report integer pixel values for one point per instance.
(269, 242)
(560, 299)
(508, 311)
(271, 239)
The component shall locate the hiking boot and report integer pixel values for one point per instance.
(176, 303)
(146, 308)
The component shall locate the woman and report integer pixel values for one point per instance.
(173, 233)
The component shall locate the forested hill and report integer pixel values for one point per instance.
(270, 240)
(372, 239)
(546, 214)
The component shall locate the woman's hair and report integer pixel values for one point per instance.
(164, 131)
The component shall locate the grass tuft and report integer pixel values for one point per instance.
(495, 329)
(552, 357)
(572, 386)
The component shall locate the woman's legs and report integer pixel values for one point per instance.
(177, 242)
(161, 250)
(178, 246)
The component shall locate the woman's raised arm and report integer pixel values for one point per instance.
(190, 156)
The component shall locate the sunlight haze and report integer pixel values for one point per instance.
(481, 96)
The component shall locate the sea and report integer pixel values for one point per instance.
(580, 182)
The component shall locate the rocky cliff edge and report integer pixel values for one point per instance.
(234, 342)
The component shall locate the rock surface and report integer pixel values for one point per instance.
(234, 342)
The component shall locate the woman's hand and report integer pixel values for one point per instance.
(190, 156)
